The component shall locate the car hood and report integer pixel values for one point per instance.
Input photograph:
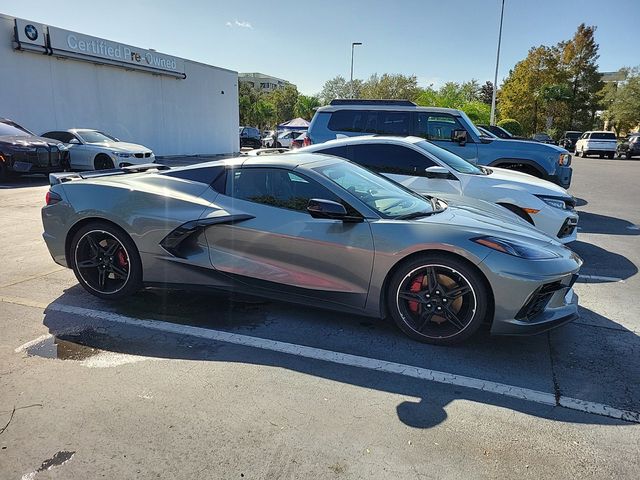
(477, 218)
(121, 146)
(529, 183)
(29, 141)
(524, 145)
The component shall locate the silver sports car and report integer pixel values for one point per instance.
(316, 230)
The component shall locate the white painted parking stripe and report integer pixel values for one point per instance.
(33, 342)
(356, 361)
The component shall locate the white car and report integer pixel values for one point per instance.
(94, 150)
(284, 139)
(597, 143)
(430, 170)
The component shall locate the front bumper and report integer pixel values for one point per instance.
(531, 296)
(562, 176)
(134, 159)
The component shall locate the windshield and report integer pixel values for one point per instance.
(603, 136)
(8, 129)
(574, 135)
(389, 199)
(471, 125)
(451, 159)
(93, 136)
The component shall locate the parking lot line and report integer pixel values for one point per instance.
(353, 361)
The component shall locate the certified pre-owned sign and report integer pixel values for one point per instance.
(97, 48)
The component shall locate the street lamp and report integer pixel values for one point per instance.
(351, 83)
(495, 78)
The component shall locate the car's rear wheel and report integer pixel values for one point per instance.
(4, 174)
(438, 300)
(628, 155)
(102, 162)
(610, 155)
(106, 261)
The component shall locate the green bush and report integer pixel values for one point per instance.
(511, 125)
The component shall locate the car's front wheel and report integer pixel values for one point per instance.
(437, 299)
(102, 162)
(105, 261)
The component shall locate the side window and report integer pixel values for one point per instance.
(275, 187)
(354, 121)
(393, 159)
(394, 123)
(61, 136)
(436, 126)
(342, 152)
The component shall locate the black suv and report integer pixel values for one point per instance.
(569, 139)
(250, 137)
(629, 147)
(21, 151)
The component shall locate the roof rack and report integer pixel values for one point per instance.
(366, 101)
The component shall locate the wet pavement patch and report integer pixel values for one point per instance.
(54, 347)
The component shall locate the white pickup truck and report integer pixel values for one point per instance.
(596, 143)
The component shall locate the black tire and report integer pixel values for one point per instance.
(106, 260)
(102, 162)
(435, 305)
(628, 155)
(610, 155)
(601, 155)
(4, 174)
(278, 145)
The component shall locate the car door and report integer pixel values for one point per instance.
(281, 248)
(398, 162)
(438, 128)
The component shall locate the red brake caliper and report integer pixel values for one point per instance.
(416, 286)
(122, 258)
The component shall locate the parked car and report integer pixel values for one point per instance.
(500, 132)
(21, 151)
(446, 127)
(250, 137)
(315, 230)
(629, 147)
(599, 143)
(94, 150)
(284, 139)
(569, 139)
(298, 142)
(430, 170)
(543, 137)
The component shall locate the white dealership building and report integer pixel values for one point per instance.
(55, 79)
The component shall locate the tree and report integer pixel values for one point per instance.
(623, 102)
(338, 87)
(391, 86)
(512, 126)
(284, 102)
(464, 96)
(305, 106)
(486, 92)
(579, 56)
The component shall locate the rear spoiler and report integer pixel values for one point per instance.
(61, 177)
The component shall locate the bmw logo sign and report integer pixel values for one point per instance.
(31, 32)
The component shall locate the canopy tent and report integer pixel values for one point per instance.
(295, 124)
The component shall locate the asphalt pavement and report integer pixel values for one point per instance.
(174, 384)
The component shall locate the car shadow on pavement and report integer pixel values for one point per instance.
(25, 182)
(527, 362)
(603, 224)
(602, 266)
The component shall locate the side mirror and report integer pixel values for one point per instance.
(437, 172)
(459, 136)
(74, 141)
(321, 208)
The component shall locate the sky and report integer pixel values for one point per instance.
(309, 42)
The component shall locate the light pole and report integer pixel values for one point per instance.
(495, 78)
(351, 82)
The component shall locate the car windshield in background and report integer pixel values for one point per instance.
(573, 135)
(387, 198)
(451, 159)
(7, 129)
(90, 136)
(603, 136)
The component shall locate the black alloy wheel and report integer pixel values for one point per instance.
(438, 300)
(103, 162)
(106, 261)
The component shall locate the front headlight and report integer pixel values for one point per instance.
(515, 248)
(122, 155)
(564, 159)
(554, 202)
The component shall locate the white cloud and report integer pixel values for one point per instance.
(243, 24)
(229, 24)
